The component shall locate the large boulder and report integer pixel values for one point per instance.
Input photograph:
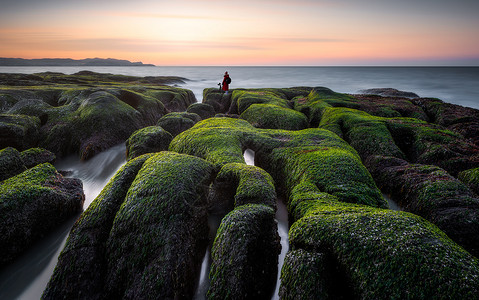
(33, 203)
(245, 254)
(144, 235)
(147, 140)
(177, 122)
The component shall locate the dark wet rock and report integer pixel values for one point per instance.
(82, 267)
(203, 110)
(33, 203)
(147, 140)
(11, 163)
(245, 254)
(19, 131)
(432, 193)
(383, 253)
(389, 92)
(35, 156)
(471, 178)
(238, 184)
(87, 116)
(177, 122)
(144, 235)
(307, 275)
(219, 100)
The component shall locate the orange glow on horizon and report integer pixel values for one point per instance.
(252, 33)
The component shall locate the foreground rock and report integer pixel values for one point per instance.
(139, 238)
(84, 113)
(146, 233)
(33, 203)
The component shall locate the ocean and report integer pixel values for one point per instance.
(458, 85)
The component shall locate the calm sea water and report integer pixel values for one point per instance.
(459, 85)
(27, 277)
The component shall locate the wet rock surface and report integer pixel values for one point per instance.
(145, 235)
(33, 201)
(84, 113)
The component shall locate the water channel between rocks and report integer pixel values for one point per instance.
(27, 277)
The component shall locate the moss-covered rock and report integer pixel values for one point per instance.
(433, 145)
(145, 234)
(203, 110)
(305, 275)
(386, 254)
(244, 98)
(238, 184)
(88, 117)
(19, 131)
(471, 178)
(177, 122)
(218, 99)
(11, 163)
(147, 140)
(245, 254)
(270, 116)
(82, 267)
(432, 193)
(160, 233)
(33, 203)
(369, 135)
(321, 158)
(217, 140)
(35, 156)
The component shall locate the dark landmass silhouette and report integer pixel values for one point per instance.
(68, 62)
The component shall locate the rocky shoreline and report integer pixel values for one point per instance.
(330, 155)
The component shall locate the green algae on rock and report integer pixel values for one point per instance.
(81, 268)
(471, 178)
(33, 203)
(147, 140)
(147, 231)
(245, 254)
(177, 122)
(217, 140)
(386, 253)
(11, 163)
(19, 131)
(270, 116)
(85, 118)
(239, 184)
(434, 194)
(203, 110)
(35, 156)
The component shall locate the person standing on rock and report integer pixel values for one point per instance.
(226, 82)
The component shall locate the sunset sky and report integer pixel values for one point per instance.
(245, 32)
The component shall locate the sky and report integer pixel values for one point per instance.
(246, 32)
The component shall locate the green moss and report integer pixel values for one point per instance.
(147, 140)
(374, 245)
(304, 276)
(471, 178)
(247, 184)
(203, 110)
(244, 98)
(160, 232)
(274, 117)
(31, 204)
(35, 156)
(218, 140)
(19, 131)
(245, 254)
(81, 265)
(11, 163)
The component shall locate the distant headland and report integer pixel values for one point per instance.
(68, 62)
